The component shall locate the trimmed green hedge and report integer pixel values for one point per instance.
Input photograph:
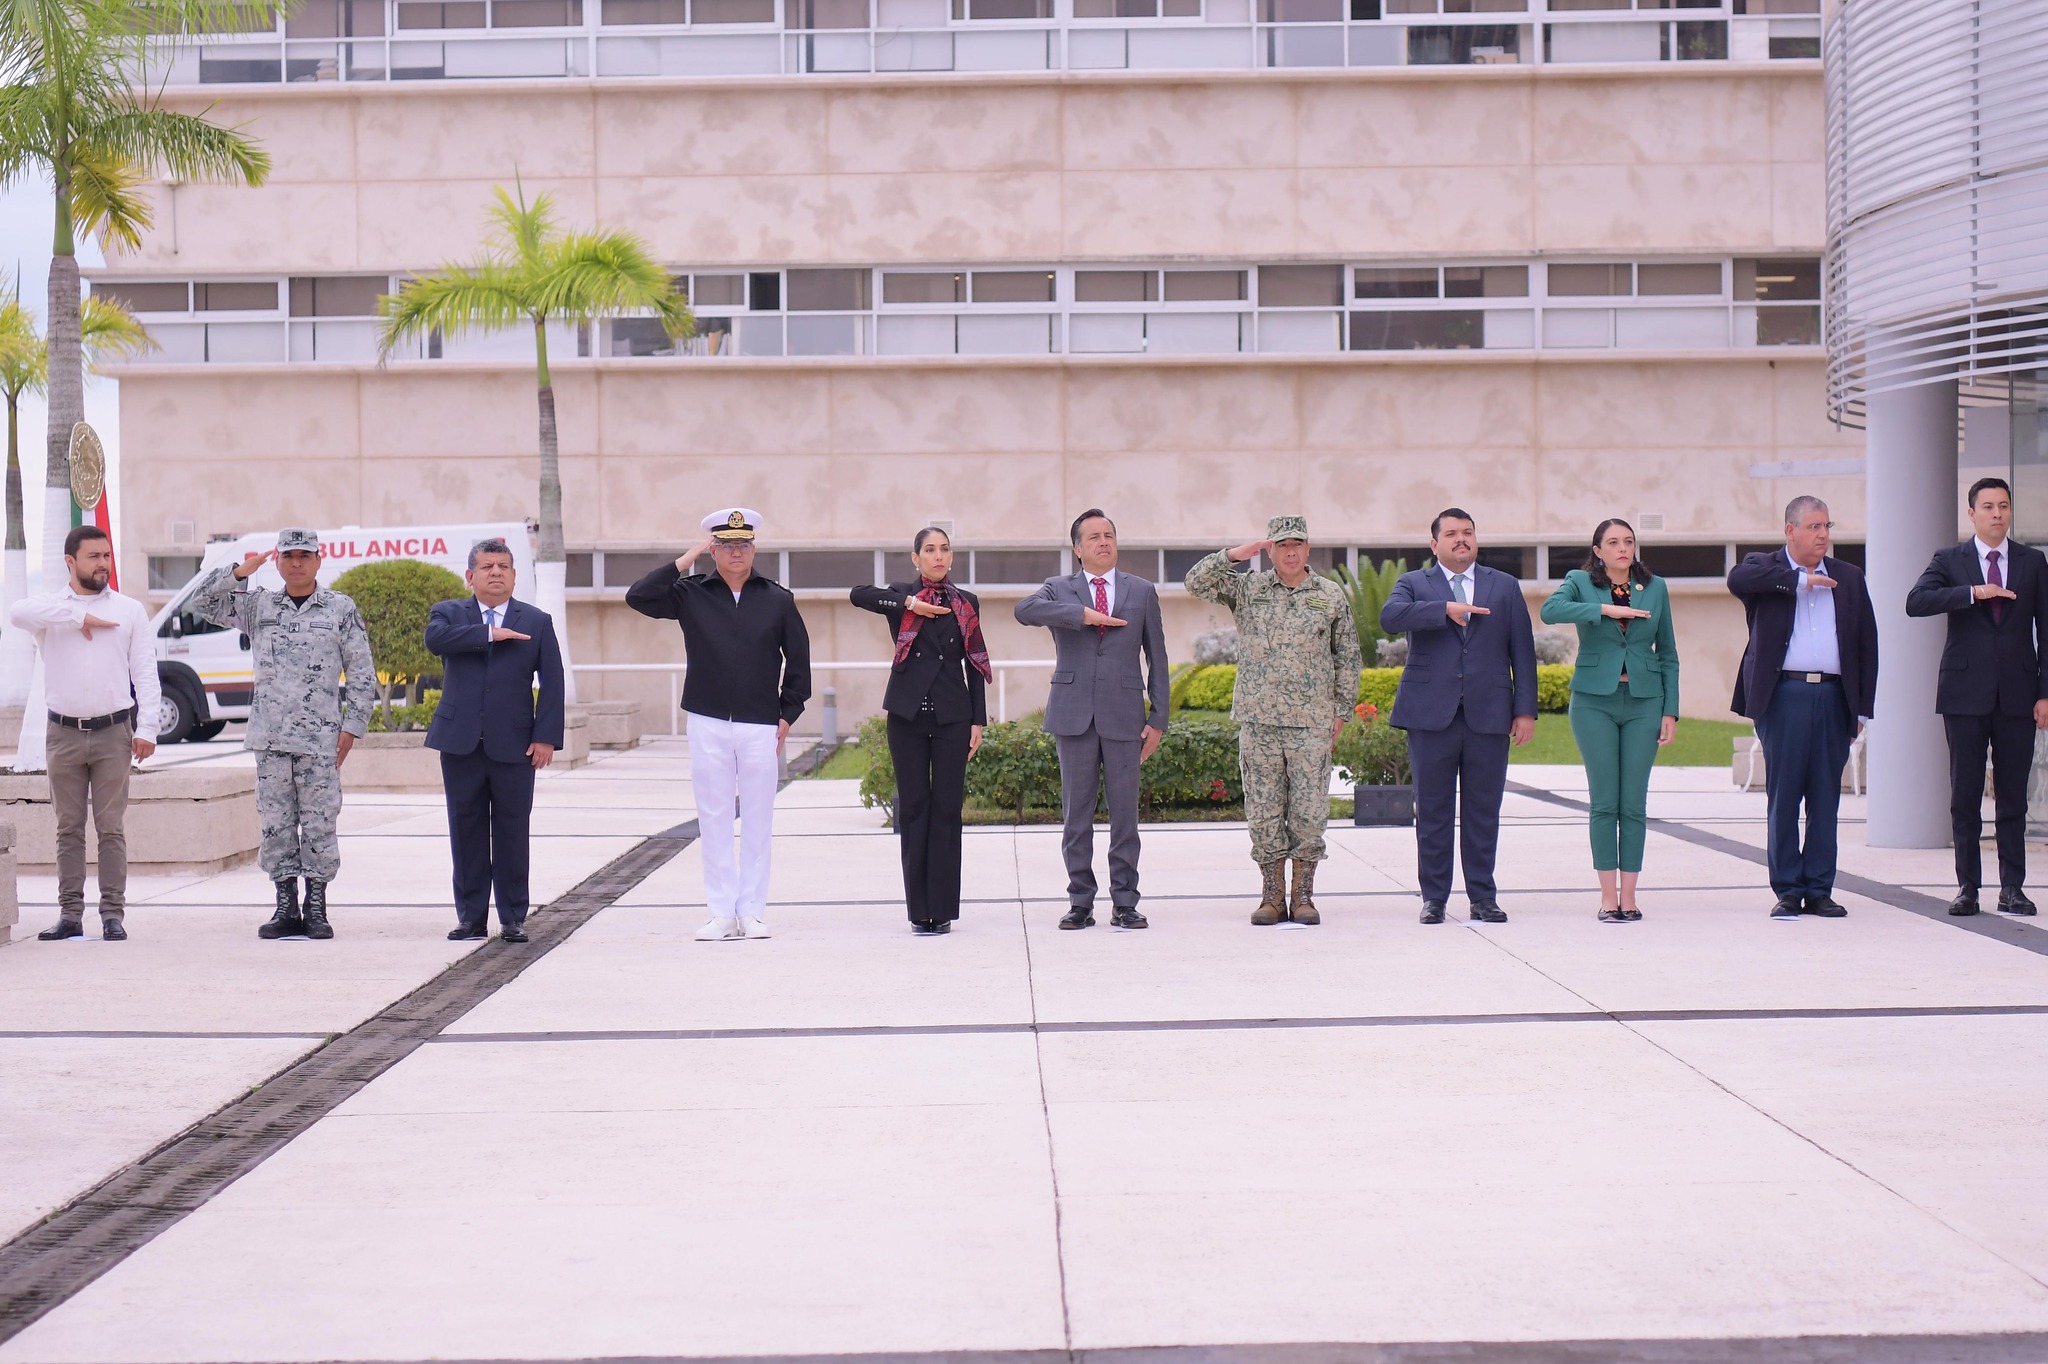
(1211, 688)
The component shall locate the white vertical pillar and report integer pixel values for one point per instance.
(1910, 458)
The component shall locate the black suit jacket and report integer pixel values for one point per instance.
(1987, 667)
(487, 689)
(1768, 586)
(937, 666)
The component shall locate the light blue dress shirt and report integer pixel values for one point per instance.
(1813, 647)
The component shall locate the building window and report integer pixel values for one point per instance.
(1591, 281)
(1301, 286)
(1418, 330)
(169, 572)
(625, 569)
(1517, 561)
(1205, 286)
(1685, 561)
(1464, 45)
(1116, 286)
(580, 568)
(1678, 279)
(719, 291)
(337, 295)
(830, 568)
(830, 290)
(1015, 566)
(1013, 286)
(146, 298)
(924, 287)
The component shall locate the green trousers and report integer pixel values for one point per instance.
(1618, 739)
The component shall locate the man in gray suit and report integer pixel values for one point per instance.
(1101, 622)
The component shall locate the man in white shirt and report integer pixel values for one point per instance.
(99, 677)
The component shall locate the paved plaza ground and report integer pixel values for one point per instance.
(1705, 1136)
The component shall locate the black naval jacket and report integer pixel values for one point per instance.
(750, 660)
(937, 678)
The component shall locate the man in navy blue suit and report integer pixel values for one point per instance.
(1467, 692)
(493, 736)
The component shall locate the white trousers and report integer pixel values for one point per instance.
(730, 761)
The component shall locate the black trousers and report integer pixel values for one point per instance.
(2010, 739)
(1460, 777)
(490, 811)
(931, 786)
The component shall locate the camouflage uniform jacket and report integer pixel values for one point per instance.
(1297, 651)
(300, 654)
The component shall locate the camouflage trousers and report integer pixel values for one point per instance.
(298, 798)
(1286, 789)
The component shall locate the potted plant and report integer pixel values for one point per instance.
(1373, 756)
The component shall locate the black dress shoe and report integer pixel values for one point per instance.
(920, 927)
(516, 933)
(1488, 913)
(2013, 900)
(1127, 917)
(942, 926)
(62, 929)
(113, 930)
(1824, 907)
(1965, 904)
(1788, 908)
(465, 933)
(1080, 916)
(1432, 911)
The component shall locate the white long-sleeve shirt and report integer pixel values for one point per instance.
(84, 678)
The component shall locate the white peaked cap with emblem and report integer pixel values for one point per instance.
(732, 523)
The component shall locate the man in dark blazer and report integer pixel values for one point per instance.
(1468, 692)
(1993, 691)
(1111, 652)
(493, 736)
(1809, 681)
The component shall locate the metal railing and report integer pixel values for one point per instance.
(675, 673)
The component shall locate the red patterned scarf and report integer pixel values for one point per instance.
(943, 593)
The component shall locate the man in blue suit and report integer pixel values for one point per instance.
(493, 736)
(1468, 691)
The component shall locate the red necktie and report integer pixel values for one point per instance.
(1102, 603)
(1997, 603)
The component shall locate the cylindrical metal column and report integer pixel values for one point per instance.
(1910, 459)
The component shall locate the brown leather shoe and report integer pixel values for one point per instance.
(1302, 906)
(1272, 895)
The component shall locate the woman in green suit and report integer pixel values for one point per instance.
(1624, 700)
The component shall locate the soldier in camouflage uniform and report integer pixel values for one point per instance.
(301, 727)
(1297, 680)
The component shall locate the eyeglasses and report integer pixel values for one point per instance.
(1818, 525)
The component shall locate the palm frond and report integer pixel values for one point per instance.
(104, 198)
(523, 229)
(109, 331)
(184, 144)
(486, 296)
(591, 274)
(24, 359)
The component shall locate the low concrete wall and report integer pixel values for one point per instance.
(403, 762)
(1748, 766)
(613, 724)
(10, 900)
(178, 821)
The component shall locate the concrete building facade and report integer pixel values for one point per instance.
(1546, 286)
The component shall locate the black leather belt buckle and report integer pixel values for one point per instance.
(91, 723)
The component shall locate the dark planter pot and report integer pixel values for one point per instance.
(1383, 806)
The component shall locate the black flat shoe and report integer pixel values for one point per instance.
(512, 934)
(1964, 905)
(1632, 915)
(1432, 911)
(464, 933)
(1080, 916)
(2013, 900)
(1613, 916)
(113, 930)
(62, 929)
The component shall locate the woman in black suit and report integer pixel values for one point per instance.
(937, 704)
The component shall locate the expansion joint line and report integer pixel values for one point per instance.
(1059, 1238)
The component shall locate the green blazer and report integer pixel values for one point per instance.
(1648, 653)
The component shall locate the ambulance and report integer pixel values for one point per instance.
(206, 670)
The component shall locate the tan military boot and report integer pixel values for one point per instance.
(1273, 898)
(1302, 909)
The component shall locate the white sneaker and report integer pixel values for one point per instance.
(718, 930)
(755, 928)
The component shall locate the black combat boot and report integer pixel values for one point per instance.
(316, 910)
(286, 923)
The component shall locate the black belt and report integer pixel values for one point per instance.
(1810, 677)
(119, 717)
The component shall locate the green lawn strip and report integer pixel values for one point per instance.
(1699, 743)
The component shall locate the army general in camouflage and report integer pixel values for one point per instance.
(303, 640)
(1297, 680)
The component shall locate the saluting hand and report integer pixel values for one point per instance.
(691, 556)
(1251, 549)
(92, 623)
(1462, 611)
(252, 562)
(918, 606)
(1091, 616)
(1992, 592)
(1613, 612)
(499, 634)
(1818, 580)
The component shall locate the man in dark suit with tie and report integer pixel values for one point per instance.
(493, 736)
(1993, 691)
(1468, 692)
(1110, 645)
(1809, 681)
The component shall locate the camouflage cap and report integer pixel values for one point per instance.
(1287, 528)
(298, 537)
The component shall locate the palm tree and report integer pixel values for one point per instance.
(532, 273)
(105, 329)
(72, 108)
